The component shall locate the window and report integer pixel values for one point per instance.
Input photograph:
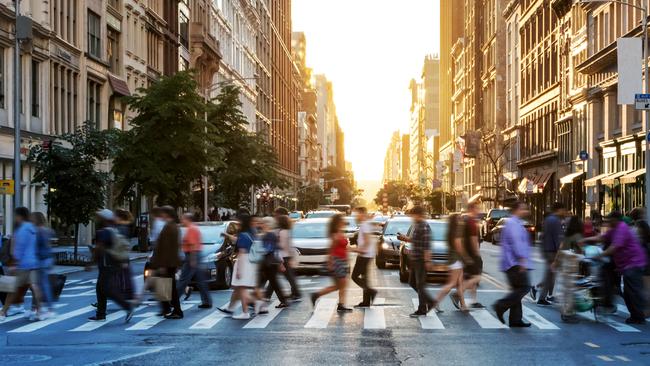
(94, 35)
(93, 107)
(114, 3)
(183, 29)
(36, 89)
(113, 50)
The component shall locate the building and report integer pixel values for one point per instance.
(392, 159)
(327, 120)
(405, 152)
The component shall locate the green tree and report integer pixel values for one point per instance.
(435, 201)
(342, 181)
(67, 165)
(169, 145)
(398, 194)
(309, 197)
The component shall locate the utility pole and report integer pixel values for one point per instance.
(17, 90)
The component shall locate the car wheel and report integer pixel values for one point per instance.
(403, 271)
(224, 275)
(380, 261)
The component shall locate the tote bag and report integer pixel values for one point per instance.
(162, 288)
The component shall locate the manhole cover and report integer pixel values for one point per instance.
(19, 359)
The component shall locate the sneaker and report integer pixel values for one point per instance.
(455, 299)
(521, 324)
(362, 305)
(97, 318)
(417, 314)
(47, 315)
(533, 293)
(314, 297)
(205, 306)
(372, 296)
(225, 311)
(129, 316)
(27, 314)
(543, 302)
(477, 305)
(94, 304)
(282, 305)
(342, 309)
(34, 316)
(174, 316)
(242, 316)
(258, 306)
(550, 298)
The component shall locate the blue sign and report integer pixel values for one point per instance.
(584, 155)
(648, 137)
(641, 96)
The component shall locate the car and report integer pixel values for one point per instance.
(218, 255)
(497, 229)
(311, 243)
(493, 216)
(321, 214)
(296, 215)
(351, 229)
(439, 252)
(379, 220)
(388, 244)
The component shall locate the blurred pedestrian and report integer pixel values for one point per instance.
(286, 252)
(337, 263)
(515, 262)
(44, 253)
(589, 228)
(456, 253)
(109, 267)
(419, 259)
(192, 246)
(270, 265)
(245, 272)
(124, 223)
(367, 250)
(566, 264)
(25, 267)
(165, 260)
(551, 240)
(472, 261)
(643, 232)
(157, 224)
(629, 260)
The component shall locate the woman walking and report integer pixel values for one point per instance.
(270, 266)
(44, 252)
(286, 253)
(566, 263)
(455, 261)
(337, 264)
(245, 272)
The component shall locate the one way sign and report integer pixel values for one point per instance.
(642, 101)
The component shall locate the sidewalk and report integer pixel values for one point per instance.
(83, 250)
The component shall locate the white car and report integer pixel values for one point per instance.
(311, 243)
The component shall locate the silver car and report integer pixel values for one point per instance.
(311, 243)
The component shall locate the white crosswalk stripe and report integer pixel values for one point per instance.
(22, 315)
(59, 318)
(262, 321)
(149, 322)
(322, 313)
(373, 317)
(91, 325)
(486, 320)
(211, 320)
(431, 320)
(537, 320)
(621, 327)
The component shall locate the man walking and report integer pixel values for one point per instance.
(192, 247)
(551, 240)
(366, 249)
(165, 260)
(473, 261)
(515, 259)
(420, 259)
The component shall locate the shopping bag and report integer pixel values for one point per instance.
(7, 284)
(57, 282)
(162, 288)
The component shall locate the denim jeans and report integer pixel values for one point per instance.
(188, 272)
(46, 287)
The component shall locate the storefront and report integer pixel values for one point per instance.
(537, 190)
(572, 192)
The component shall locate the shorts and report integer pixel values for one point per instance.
(25, 277)
(456, 265)
(341, 267)
(476, 268)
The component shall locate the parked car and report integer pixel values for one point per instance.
(387, 244)
(311, 243)
(351, 229)
(439, 252)
(321, 214)
(296, 215)
(497, 229)
(493, 216)
(379, 220)
(218, 255)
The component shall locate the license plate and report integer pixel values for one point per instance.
(213, 272)
(439, 268)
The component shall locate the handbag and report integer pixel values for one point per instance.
(257, 253)
(162, 288)
(8, 284)
(57, 282)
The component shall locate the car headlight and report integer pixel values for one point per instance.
(148, 272)
(385, 245)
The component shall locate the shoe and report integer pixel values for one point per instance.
(296, 298)
(455, 299)
(314, 297)
(372, 296)
(205, 306)
(225, 311)
(258, 306)
(47, 315)
(499, 312)
(188, 293)
(129, 316)
(174, 316)
(97, 318)
(417, 314)
(533, 293)
(162, 313)
(362, 305)
(263, 311)
(242, 316)
(94, 304)
(477, 305)
(521, 324)
(27, 314)
(550, 298)
(34, 316)
(634, 321)
(282, 305)
(342, 309)
(543, 302)
(570, 319)
(433, 305)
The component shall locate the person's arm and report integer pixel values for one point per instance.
(18, 248)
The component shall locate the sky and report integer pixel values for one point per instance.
(370, 50)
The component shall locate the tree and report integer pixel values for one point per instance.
(76, 189)
(398, 194)
(494, 149)
(342, 181)
(168, 145)
(248, 160)
(435, 201)
(309, 197)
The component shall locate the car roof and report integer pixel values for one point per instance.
(213, 223)
(400, 218)
(320, 220)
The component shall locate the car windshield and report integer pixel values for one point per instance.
(350, 221)
(380, 219)
(310, 230)
(498, 214)
(210, 234)
(320, 215)
(438, 231)
(294, 215)
(397, 226)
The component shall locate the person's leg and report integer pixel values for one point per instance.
(113, 292)
(199, 273)
(357, 271)
(461, 290)
(186, 276)
(520, 287)
(100, 290)
(342, 284)
(175, 302)
(412, 280)
(424, 299)
(46, 288)
(549, 277)
(452, 281)
(607, 276)
(368, 292)
(633, 293)
(290, 275)
(272, 274)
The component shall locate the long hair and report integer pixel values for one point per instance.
(284, 223)
(245, 222)
(38, 218)
(575, 226)
(453, 228)
(335, 222)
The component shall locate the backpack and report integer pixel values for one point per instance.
(119, 250)
(257, 253)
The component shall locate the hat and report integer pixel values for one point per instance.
(106, 214)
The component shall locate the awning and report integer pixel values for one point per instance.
(631, 177)
(569, 178)
(119, 86)
(510, 176)
(541, 181)
(613, 177)
(594, 180)
(474, 198)
(523, 185)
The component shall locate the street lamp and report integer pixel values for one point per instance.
(644, 23)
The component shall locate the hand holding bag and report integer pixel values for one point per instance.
(162, 288)
(7, 284)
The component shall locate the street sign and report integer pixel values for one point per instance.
(7, 186)
(642, 101)
(584, 155)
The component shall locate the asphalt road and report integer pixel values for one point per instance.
(383, 335)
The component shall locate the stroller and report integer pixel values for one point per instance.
(582, 288)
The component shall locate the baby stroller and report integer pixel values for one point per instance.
(581, 283)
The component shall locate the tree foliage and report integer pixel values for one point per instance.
(342, 181)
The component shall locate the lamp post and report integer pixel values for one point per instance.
(644, 25)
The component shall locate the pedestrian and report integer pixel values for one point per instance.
(192, 246)
(109, 267)
(472, 261)
(566, 263)
(515, 262)
(589, 228)
(643, 233)
(124, 227)
(23, 251)
(44, 253)
(280, 211)
(286, 252)
(366, 249)
(629, 261)
(337, 263)
(270, 266)
(157, 224)
(245, 272)
(419, 259)
(455, 264)
(165, 260)
(551, 240)
(224, 217)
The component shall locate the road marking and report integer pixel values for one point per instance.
(622, 309)
(605, 358)
(128, 357)
(82, 287)
(623, 358)
(58, 318)
(430, 321)
(211, 320)
(486, 320)
(611, 322)
(373, 317)
(70, 282)
(537, 320)
(90, 325)
(89, 281)
(322, 313)
(304, 281)
(263, 320)
(17, 316)
(149, 322)
(592, 345)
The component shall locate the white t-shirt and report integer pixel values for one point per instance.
(284, 243)
(371, 247)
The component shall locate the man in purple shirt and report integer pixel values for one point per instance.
(630, 261)
(515, 262)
